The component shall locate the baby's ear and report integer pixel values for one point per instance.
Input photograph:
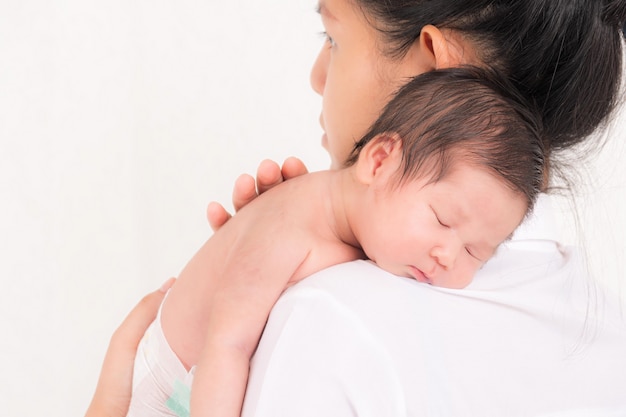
(381, 155)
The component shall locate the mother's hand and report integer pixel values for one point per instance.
(246, 189)
(114, 389)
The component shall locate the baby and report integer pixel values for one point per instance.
(444, 176)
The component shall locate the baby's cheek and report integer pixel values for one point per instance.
(473, 271)
(463, 276)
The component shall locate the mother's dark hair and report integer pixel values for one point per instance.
(563, 55)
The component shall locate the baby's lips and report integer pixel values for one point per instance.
(418, 275)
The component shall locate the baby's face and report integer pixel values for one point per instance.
(440, 233)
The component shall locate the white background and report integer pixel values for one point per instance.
(119, 122)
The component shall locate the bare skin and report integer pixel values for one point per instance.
(432, 50)
(215, 314)
(246, 189)
(113, 391)
(352, 48)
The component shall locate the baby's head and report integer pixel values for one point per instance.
(464, 165)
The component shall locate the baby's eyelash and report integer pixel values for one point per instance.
(437, 217)
(473, 256)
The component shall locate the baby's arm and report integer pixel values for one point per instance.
(225, 293)
(255, 277)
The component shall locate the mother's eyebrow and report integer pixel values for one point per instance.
(323, 10)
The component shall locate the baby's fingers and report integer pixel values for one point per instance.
(293, 167)
(268, 175)
(217, 215)
(244, 191)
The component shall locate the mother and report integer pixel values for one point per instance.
(527, 338)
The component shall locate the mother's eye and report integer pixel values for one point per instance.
(328, 38)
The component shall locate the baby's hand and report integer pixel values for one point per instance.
(268, 175)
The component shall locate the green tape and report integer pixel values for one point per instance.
(180, 399)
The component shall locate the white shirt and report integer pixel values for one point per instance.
(531, 336)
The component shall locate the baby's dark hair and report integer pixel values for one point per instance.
(468, 115)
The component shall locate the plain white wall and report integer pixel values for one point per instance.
(119, 122)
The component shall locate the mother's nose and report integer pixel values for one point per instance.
(320, 70)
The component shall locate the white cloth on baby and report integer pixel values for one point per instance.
(161, 384)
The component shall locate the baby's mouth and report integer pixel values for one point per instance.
(419, 276)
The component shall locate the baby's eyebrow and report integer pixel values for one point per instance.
(459, 211)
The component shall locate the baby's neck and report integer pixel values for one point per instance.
(343, 191)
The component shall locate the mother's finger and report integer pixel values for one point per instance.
(114, 389)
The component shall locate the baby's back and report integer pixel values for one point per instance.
(277, 240)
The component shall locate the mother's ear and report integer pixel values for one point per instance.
(436, 49)
(381, 156)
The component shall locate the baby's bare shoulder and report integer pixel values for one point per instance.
(301, 202)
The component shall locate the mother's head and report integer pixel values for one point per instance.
(563, 55)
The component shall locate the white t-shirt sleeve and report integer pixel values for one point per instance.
(317, 358)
